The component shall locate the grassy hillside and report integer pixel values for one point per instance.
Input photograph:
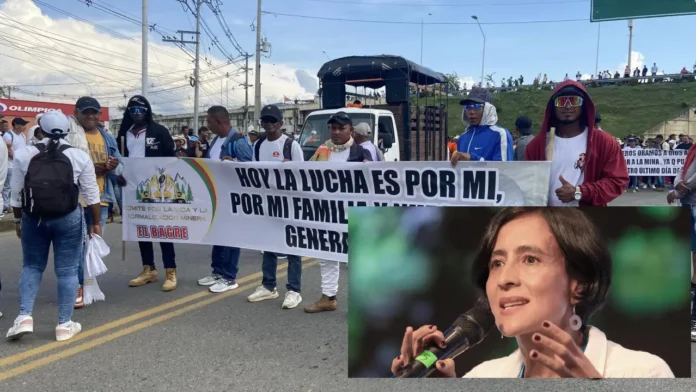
(624, 109)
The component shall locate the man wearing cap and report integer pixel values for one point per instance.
(340, 148)
(587, 165)
(64, 233)
(103, 151)
(274, 146)
(140, 136)
(363, 136)
(482, 140)
(15, 140)
(523, 128)
(253, 136)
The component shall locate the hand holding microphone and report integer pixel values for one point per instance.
(428, 352)
(413, 345)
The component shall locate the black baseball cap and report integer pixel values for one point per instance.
(19, 121)
(85, 103)
(340, 118)
(477, 95)
(271, 111)
(523, 123)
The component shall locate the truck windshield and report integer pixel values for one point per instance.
(316, 130)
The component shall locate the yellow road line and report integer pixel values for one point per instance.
(129, 330)
(122, 321)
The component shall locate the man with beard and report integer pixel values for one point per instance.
(141, 137)
(341, 148)
(587, 165)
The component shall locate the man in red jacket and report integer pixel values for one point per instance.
(587, 165)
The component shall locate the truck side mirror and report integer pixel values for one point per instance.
(386, 141)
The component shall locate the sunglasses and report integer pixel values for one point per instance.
(474, 106)
(269, 120)
(137, 110)
(571, 100)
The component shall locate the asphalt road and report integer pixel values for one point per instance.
(142, 339)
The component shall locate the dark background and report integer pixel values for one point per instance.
(411, 267)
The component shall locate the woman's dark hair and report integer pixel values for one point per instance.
(587, 258)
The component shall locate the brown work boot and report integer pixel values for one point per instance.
(148, 275)
(79, 301)
(323, 305)
(170, 282)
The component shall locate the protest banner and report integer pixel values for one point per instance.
(301, 208)
(653, 162)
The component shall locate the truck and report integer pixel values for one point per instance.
(407, 121)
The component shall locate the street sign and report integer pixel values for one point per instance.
(604, 10)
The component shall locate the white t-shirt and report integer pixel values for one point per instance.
(216, 148)
(83, 173)
(17, 142)
(136, 143)
(340, 156)
(371, 148)
(568, 160)
(273, 150)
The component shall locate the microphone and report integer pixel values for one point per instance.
(468, 330)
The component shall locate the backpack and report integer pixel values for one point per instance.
(357, 153)
(287, 148)
(49, 186)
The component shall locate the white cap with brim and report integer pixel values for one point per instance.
(55, 124)
(363, 129)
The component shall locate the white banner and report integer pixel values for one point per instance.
(653, 162)
(301, 208)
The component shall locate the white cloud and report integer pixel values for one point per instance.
(585, 77)
(60, 59)
(637, 60)
(467, 82)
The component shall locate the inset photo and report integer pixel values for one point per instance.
(519, 292)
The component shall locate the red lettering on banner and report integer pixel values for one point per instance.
(163, 232)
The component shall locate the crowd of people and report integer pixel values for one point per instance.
(86, 161)
(77, 154)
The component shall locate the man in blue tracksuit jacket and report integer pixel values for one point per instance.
(483, 139)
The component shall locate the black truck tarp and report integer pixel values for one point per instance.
(370, 71)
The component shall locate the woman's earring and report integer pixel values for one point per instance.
(575, 321)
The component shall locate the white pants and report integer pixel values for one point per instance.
(329, 277)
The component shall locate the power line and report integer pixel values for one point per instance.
(426, 23)
(477, 4)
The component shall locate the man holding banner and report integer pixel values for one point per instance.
(141, 137)
(274, 146)
(587, 165)
(227, 145)
(341, 148)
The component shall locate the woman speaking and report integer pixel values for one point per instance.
(545, 272)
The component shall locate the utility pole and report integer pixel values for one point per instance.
(246, 92)
(630, 42)
(599, 32)
(257, 82)
(182, 41)
(144, 49)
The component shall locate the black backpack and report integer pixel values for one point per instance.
(287, 147)
(49, 187)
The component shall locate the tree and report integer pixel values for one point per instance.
(189, 194)
(138, 194)
(453, 81)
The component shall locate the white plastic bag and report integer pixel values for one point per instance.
(97, 249)
(94, 266)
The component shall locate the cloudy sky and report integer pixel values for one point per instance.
(60, 49)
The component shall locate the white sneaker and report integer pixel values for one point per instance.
(66, 331)
(262, 294)
(209, 280)
(23, 325)
(292, 299)
(223, 285)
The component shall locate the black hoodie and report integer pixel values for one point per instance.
(158, 141)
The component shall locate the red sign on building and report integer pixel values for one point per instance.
(11, 108)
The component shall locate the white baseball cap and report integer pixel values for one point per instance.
(55, 123)
(363, 129)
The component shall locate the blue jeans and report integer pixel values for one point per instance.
(6, 190)
(88, 224)
(632, 182)
(66, 235)
(270, 268)
(660, 182)
(225, 261)
(117, 191)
